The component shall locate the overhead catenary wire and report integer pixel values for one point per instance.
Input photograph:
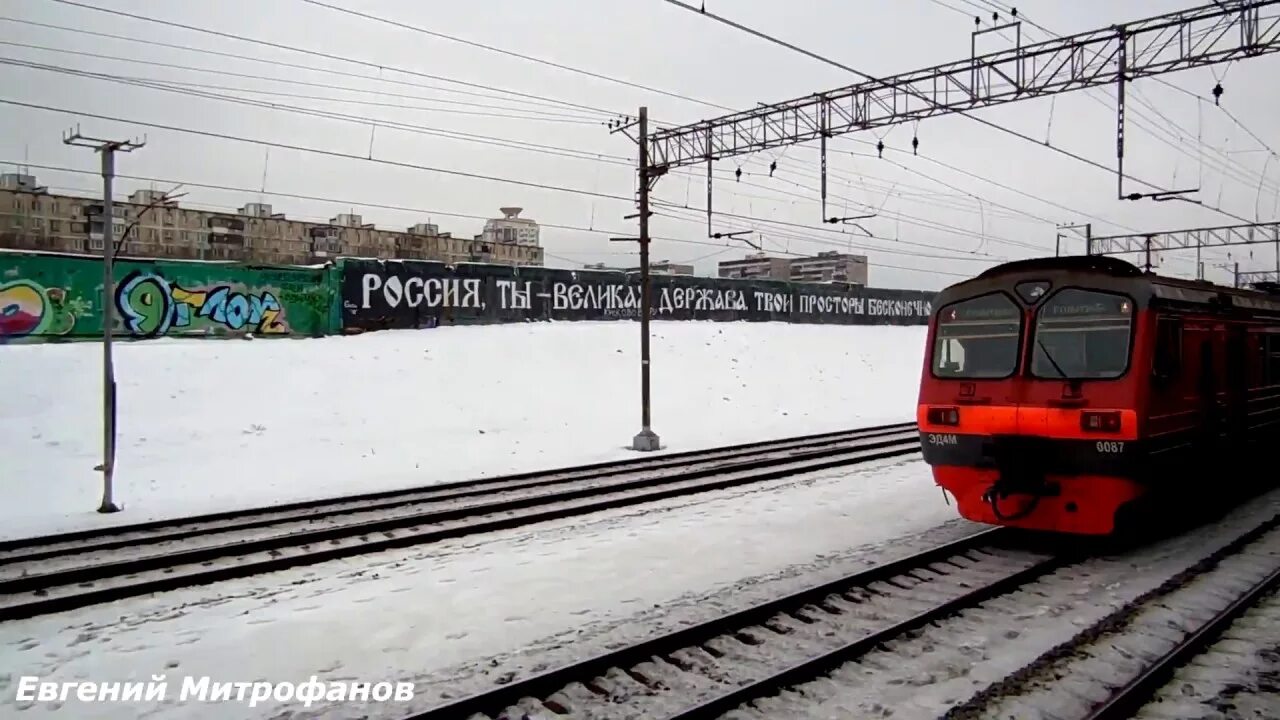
(278, 63)
(511, 53)
(362, 120)
(705, 102)
(317, 151)
(546, 62)
(962, 113)
(1241, 173)
(326, 55)
(278, 80)
(471, 137)
(370, 78)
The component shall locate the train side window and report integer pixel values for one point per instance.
(1271, 359)
(1168, 356)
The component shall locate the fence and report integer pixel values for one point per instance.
(46, 297)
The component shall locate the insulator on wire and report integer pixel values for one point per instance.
(737, 175)
(880, 148)
(773, 166)
(1217, 93)
(915, 143)
(977, 21)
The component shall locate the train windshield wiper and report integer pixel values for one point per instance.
(1049, 355)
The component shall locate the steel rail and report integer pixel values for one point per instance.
(319, 545)
(388, 498)
(1127, 700)
(493, 702)
(826, 662)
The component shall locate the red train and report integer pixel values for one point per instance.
(1061, 394)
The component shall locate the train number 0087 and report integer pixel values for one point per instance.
(1110, 446)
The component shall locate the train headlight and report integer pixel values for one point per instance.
(944, 416)
(1100, 421)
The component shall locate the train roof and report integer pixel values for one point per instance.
(1099, 264)
(1107, 272)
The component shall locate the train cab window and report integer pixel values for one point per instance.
(978, 338)
(1082, 334)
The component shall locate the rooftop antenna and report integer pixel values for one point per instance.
(263, 190)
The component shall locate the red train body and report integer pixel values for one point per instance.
(1059, 393)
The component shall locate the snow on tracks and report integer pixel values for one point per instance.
(1004, 655)
(698, 663)
(66, 574)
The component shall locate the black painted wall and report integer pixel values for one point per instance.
(384, 294)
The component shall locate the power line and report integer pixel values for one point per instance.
(1243, 174)
(529, 58)
(317, 151)
(465, 136)
(250, 40)
(264, 61)
(784, 223)
(328, 56)
(228, 54)
(820, 58)
(491, 140)
(910, 220)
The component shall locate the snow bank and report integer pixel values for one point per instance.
(214, 425)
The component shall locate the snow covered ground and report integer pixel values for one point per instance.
(457, 616)
(207, 426)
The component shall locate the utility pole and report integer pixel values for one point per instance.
(1088, 237)
(108, 149)
(646, 439)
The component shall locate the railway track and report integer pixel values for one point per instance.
(707, 669)
(62, 572)
(1117, 664)
(716, 669)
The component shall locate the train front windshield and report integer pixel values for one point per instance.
(1082, 334)
(978, 338)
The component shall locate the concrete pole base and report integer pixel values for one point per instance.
(647, 440)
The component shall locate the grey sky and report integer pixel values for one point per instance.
(656, 44)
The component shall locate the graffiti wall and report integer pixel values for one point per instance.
(45, 297)
(382, 294)
(48, 297)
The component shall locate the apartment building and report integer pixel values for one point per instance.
(510, 228)
(149, 225)
(662, 267)
(756, 265)
(829, 266)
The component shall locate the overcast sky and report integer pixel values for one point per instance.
(933, 224)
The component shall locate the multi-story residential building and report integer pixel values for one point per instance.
(824, 267)
(830, 266)
(756, 265)
(662, 267)
(149, 225)
(511, 228)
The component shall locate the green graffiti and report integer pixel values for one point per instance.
(30, 309)
(48, 296)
